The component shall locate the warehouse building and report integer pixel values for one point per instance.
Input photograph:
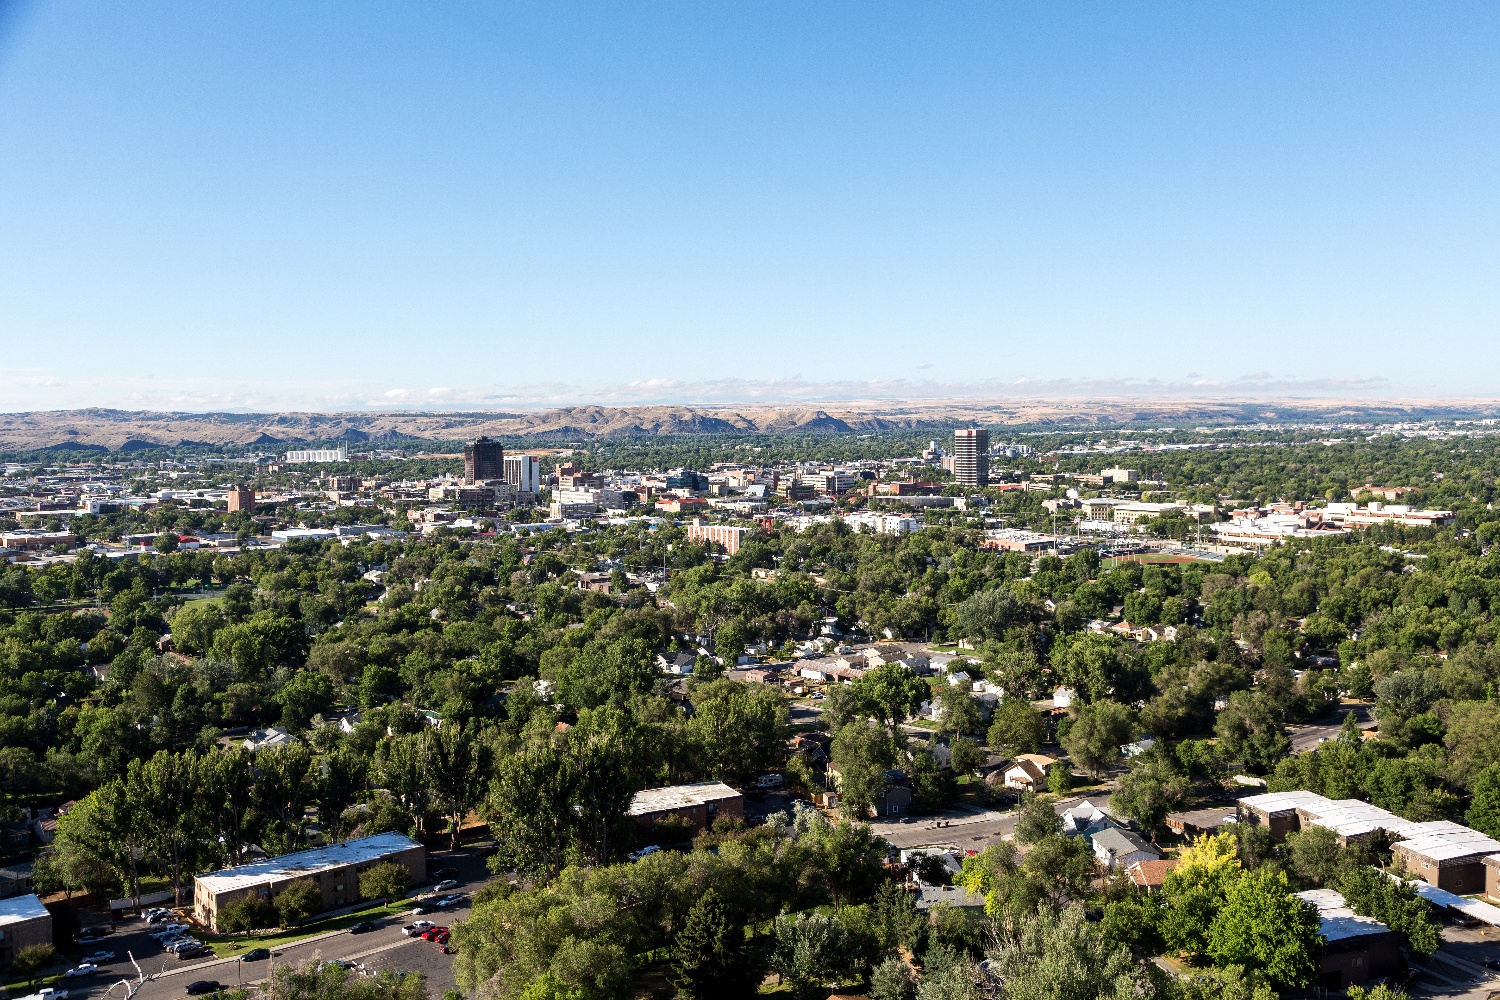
(334, 869)
(24, 922)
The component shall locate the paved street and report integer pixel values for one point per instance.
(1305, 738)
(966, 829)
(384, 948)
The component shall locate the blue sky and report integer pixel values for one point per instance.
(353, 205)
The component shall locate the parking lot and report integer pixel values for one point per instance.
(384, 948)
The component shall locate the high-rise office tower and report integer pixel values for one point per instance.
(971, 457)
(483, 460)
(524, 473)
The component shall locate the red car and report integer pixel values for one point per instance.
(431, 933)
(441, 938)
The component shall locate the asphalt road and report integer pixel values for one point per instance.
(1305, 738)
(969, 830)
(384, 948)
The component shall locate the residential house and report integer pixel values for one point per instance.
(268, 739)
(1085, 820)
(1151, 874)
(676, 664)
(1029, 772)
(1119, 848)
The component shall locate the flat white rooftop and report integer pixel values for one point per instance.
(1449, 842)
(19, 908)
(1336, 921)
(290, 866)
(654, 800)
(1274, 802)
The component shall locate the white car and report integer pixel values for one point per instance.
(417, 927)
(183, 944)
(100, 957)
(447, 885)
(86, 969)
(644, 852)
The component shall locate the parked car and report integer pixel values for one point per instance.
(191, 953)
(86, 969)
(770, 781)
(447, 885)
(363, 927)
(443, 872)
(100, 957)
(201, 986)
(256, 955)
(431, 933)
(416, 927)
(644, 852)
(184, 944)
(441, 938)
(170, 930)
(156, 911)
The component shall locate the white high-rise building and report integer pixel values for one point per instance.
(524, 472)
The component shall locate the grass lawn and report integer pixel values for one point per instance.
(226, 946)
(19, 987)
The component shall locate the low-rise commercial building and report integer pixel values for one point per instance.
(334, 869)
(1443, 854)
(699, 804)
(1355, 949)
(24, 923)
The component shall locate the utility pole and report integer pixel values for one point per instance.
(131, 989)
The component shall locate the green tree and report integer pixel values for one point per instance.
(710, 957)
(1263, 927)
(386, 880)
(861, 756)
(892, 693)
(1059, 778)
(1314, 856)
(530, 804)
(808, 951)
(166, 542)
(168, 791)
(960, 712)
(457, 769)
(1250, 732)
(1016, 727)
(250, 913)
(298, 901)
(1095, 738)
(892, 979)
(1060, 955)
(1484, 808)
(1037, 821)
(31, 960)
(283, 787)
(739, 731)
(966, 755)
(989, 614)
(1152, 787)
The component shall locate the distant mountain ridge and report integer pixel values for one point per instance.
(127, 430)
